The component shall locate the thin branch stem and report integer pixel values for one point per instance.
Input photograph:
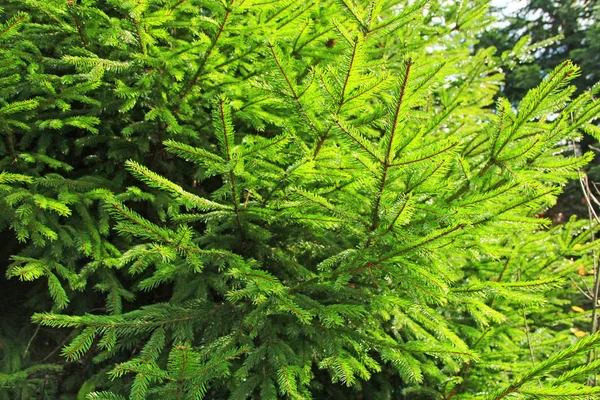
(386, 161)
(31, 341)
(206, 56)
(236, 204)
(585, 188)
(583, 292)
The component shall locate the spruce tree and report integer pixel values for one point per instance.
(282, 199)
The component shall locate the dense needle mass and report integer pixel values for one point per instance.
(282, 199)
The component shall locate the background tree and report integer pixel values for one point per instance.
(560, 31)
(568, 31)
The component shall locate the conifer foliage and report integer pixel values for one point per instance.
(284, 199)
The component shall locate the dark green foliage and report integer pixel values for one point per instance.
(282, 199)
(561, 30)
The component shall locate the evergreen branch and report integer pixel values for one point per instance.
(225, 126)
(6, 177)
(295, 44)
(489, 196)
(101, 322)
(212, 367)
(180, 2)
(371, 14)
(294, 16)
(518, 204)
(305, 218)
(324, 86)
(425, 157)
(80, 344)
(78, 25)
(104, 396)
(394, 122)
(141, 371)
(278, 12)
(285, 76)
(18, 106)
(518, 155)
(466, 184)
(155, 231)
(91, 62)
(371, 88)
(433, 350)
(155, 180)
(352, 13)
(417, 347)
(189, 153)
(234, 59)
(409, 189)
(322, 203)
(556, 359)
(207, 55)
(590, 367)
(415, 375)
(403, 18)
(421, 243)
(347, 77)
(422, 289)
(274, 142)
(568, 391)
(361, 142)
(342, 100)
(398, 214)
(315, 37)
(321, 142)
(289, 171)
(441, 117)
(295, 95)
(227, 136)
(534, 99)
(303, 316)
(13, 23)
(136, 23)
(475, 146)
(534, 285)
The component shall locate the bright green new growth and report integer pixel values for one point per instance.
(320, 201)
